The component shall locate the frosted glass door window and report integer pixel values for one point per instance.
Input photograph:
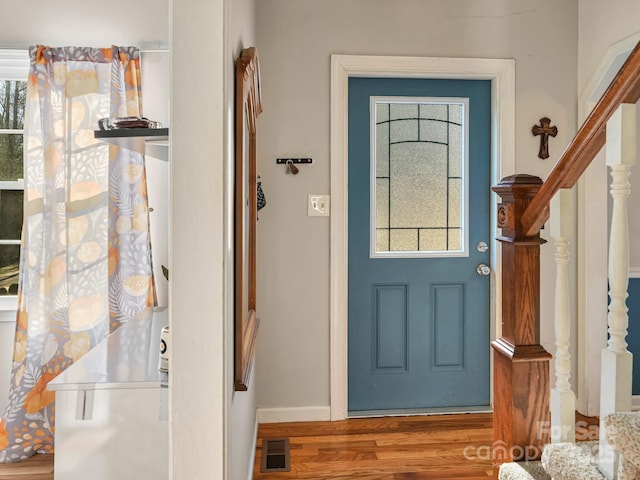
(418, 170)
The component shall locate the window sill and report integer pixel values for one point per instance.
(7, 316)
(8, 308)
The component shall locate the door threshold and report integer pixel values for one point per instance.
(419, 411)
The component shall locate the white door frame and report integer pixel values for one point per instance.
(592, 240)
(501, 72)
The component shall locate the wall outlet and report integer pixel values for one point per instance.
(318, 205)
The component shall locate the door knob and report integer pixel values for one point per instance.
(483, 269)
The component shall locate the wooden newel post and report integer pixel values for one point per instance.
(521, 420)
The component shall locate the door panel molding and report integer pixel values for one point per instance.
(501, 72)
(390, 342)
(448, 327)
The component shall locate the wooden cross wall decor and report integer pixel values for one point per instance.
(544, 130)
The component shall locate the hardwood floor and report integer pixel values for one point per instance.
(433, 447)
(38, 467)
(389, 448)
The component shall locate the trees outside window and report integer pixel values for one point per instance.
(12, 102)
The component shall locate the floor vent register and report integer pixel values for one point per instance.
(276, 456)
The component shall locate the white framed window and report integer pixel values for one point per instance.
(14, 69)
(419, 180)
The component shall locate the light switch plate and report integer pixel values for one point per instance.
(318, 205)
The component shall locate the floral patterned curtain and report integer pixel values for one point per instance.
(85, 259)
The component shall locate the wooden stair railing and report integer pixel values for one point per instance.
(625, 88)
(521, 364)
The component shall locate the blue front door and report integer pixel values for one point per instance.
(419, 207)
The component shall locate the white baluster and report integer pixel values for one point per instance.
(615, 385)
(563, 400)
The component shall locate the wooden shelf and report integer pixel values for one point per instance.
(134, 138)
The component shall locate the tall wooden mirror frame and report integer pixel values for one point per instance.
(247, 108)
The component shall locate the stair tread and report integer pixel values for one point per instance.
(523, 471)
(572, 461)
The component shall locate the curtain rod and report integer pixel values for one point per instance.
(156, 50)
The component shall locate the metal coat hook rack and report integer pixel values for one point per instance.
(292, 162)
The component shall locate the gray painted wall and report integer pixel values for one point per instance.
(213, 427)
(198, 380)
(296, 40)
(603, 24)
(143, 23)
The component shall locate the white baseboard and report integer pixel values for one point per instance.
(635, 402)
(294, 414)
